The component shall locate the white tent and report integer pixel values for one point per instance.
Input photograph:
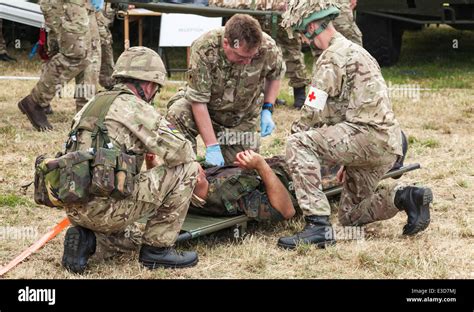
(22, 12)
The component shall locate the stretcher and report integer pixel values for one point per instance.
(198, 225)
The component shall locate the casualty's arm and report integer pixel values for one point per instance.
(277, 194)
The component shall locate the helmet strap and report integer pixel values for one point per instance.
(318, 31)
(140, 91)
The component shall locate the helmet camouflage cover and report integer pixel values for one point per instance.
(300, 13)
(140, 63)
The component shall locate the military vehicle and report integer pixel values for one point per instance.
(383, 22)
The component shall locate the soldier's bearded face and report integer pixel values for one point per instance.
(238, 53)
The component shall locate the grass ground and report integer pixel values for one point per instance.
(439, 125)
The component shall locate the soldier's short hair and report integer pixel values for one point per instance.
(242, 29)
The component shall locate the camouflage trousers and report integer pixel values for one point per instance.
(107, 57)
(365, 163)
(231, 139)
(294, 59)
(68, 22)
(162, 195)
(346, 25)
(3, 45)
(87, 81)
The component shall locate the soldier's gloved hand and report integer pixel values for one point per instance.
(214, 155)
(266, 123)
(97, 4)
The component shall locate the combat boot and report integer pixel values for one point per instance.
(35, 113)
(318, 231)
(415, 201)
(48, 110)
(79, 245)
(166, 257)
(299, 95)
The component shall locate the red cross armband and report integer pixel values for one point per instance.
(316, 99)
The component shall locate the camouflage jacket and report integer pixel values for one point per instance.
(135, 126)
(231, 91)
(263, 5)
(234, 191)
(357, 94)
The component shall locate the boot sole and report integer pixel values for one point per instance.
(321, 245)
(154, 265)
(425, 210)
(71, 246)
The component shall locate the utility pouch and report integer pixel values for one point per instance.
(103, 172)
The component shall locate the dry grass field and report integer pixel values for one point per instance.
(439, 125)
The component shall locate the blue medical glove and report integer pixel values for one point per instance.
(97, 4)
(214, 155)
(266, 123)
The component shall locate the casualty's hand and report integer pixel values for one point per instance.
(97, 4)
(249, 160)
(266, 123)
(341, 175)
(151, 161)
(214, 155)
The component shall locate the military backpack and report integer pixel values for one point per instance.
(91, 166)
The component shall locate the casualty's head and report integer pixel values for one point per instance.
(311, 18)
(242, 39)
(143, 69)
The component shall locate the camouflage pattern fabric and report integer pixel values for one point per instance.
(345, 23)
(52, 11)
(74, 44)
(163, 193)
(357, 94)
(291, 48)
(294, 58)
(87, 81)
(254, 202)
(262, 5)
(231, 92)
(3, 45)
(356, 128)
(180, 114)
(107, 57)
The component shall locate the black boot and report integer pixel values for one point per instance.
(79, 245)
(300, 96)
(166, 257)
(415, 201)
(318, 231)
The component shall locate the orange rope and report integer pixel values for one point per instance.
(37, 245)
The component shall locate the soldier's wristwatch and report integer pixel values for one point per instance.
(268, 106)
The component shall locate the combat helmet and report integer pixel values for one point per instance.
(301, 13)
(140, 63)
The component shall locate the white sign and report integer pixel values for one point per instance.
(180, 30)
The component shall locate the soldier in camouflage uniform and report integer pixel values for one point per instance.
(161, 194)
(105, 20)
(69, 20)
(345, 22)
(291, 48)
(3, 46)
(229, 70)
(88, 80)
(348, 120)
